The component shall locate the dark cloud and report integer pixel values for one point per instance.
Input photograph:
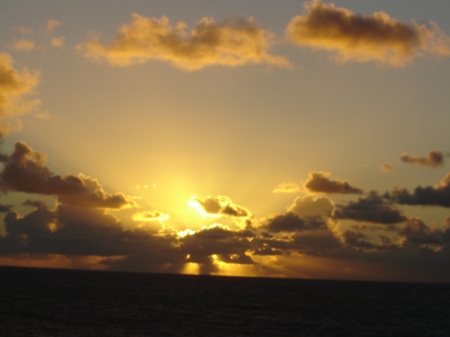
(356, 240)
(5, 208)
(417, 232)
(67, 230)
(318, 182)
(433, 159)
(265, 250)
(364, 38)
(78, 231)
(291, 222)
(316, 243)
(25, 171)
(234, 42)
(220, 205)
(438, 195)
(373, 208)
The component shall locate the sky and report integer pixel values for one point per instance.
(244, 138)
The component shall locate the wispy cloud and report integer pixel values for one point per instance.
(388, 168)
(51, 25)
(57, 42)
(24, 45)
(287, 188)
(233, 42)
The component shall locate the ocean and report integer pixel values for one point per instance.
(50, 302)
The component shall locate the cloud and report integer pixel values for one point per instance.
(291, 222)
(312, 206)
(316, 243)
(5, 208)
(433, 159)
(51, 25)
(25, 171)
(13, 86)
(218, 240)
(319, 183)
(287, 188)
(24, 30)
(150, 216)
(364, 38)
(220, 205)
(356, 240)
(234, 42)
(388, 168)
(373, 209)
(417, 232)
(92, 232)
(438, 195)
(68, 230)
(57, 42)
(24, 45)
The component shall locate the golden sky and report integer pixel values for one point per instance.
(223, 138)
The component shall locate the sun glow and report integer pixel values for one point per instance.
(194, 204)
(191, 268)
(188, 231)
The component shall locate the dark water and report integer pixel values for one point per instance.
(41, 302)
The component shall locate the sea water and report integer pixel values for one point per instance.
(46, 302)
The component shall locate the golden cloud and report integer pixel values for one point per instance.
(364, 38)
(234, 42)
(57, 41)
(388, 168)
(51, 25)
(24, 45)
(287, 188)
(13, 86)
